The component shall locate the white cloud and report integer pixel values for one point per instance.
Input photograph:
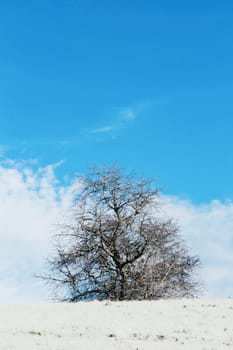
(32, 200)
(208, 230)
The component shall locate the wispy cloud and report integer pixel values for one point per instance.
(102, 130)
(127, 113)
(120, 119)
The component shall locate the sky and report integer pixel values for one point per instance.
(147, 84)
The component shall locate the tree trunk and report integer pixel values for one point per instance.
(122, 284)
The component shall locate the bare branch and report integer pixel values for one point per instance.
(117, 248)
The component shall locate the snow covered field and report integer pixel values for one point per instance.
(181, 324)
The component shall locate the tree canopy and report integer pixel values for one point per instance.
(118, 246)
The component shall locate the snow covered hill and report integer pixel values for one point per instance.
(165, 324)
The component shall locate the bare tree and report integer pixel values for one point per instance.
(118, 247)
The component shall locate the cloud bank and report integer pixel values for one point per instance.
(208, 231)
(33, 201)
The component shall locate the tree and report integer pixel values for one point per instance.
(118, 247)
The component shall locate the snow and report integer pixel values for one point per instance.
(141, 325)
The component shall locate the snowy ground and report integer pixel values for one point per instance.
(182, 324)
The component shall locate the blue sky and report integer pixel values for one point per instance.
(148, 84)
